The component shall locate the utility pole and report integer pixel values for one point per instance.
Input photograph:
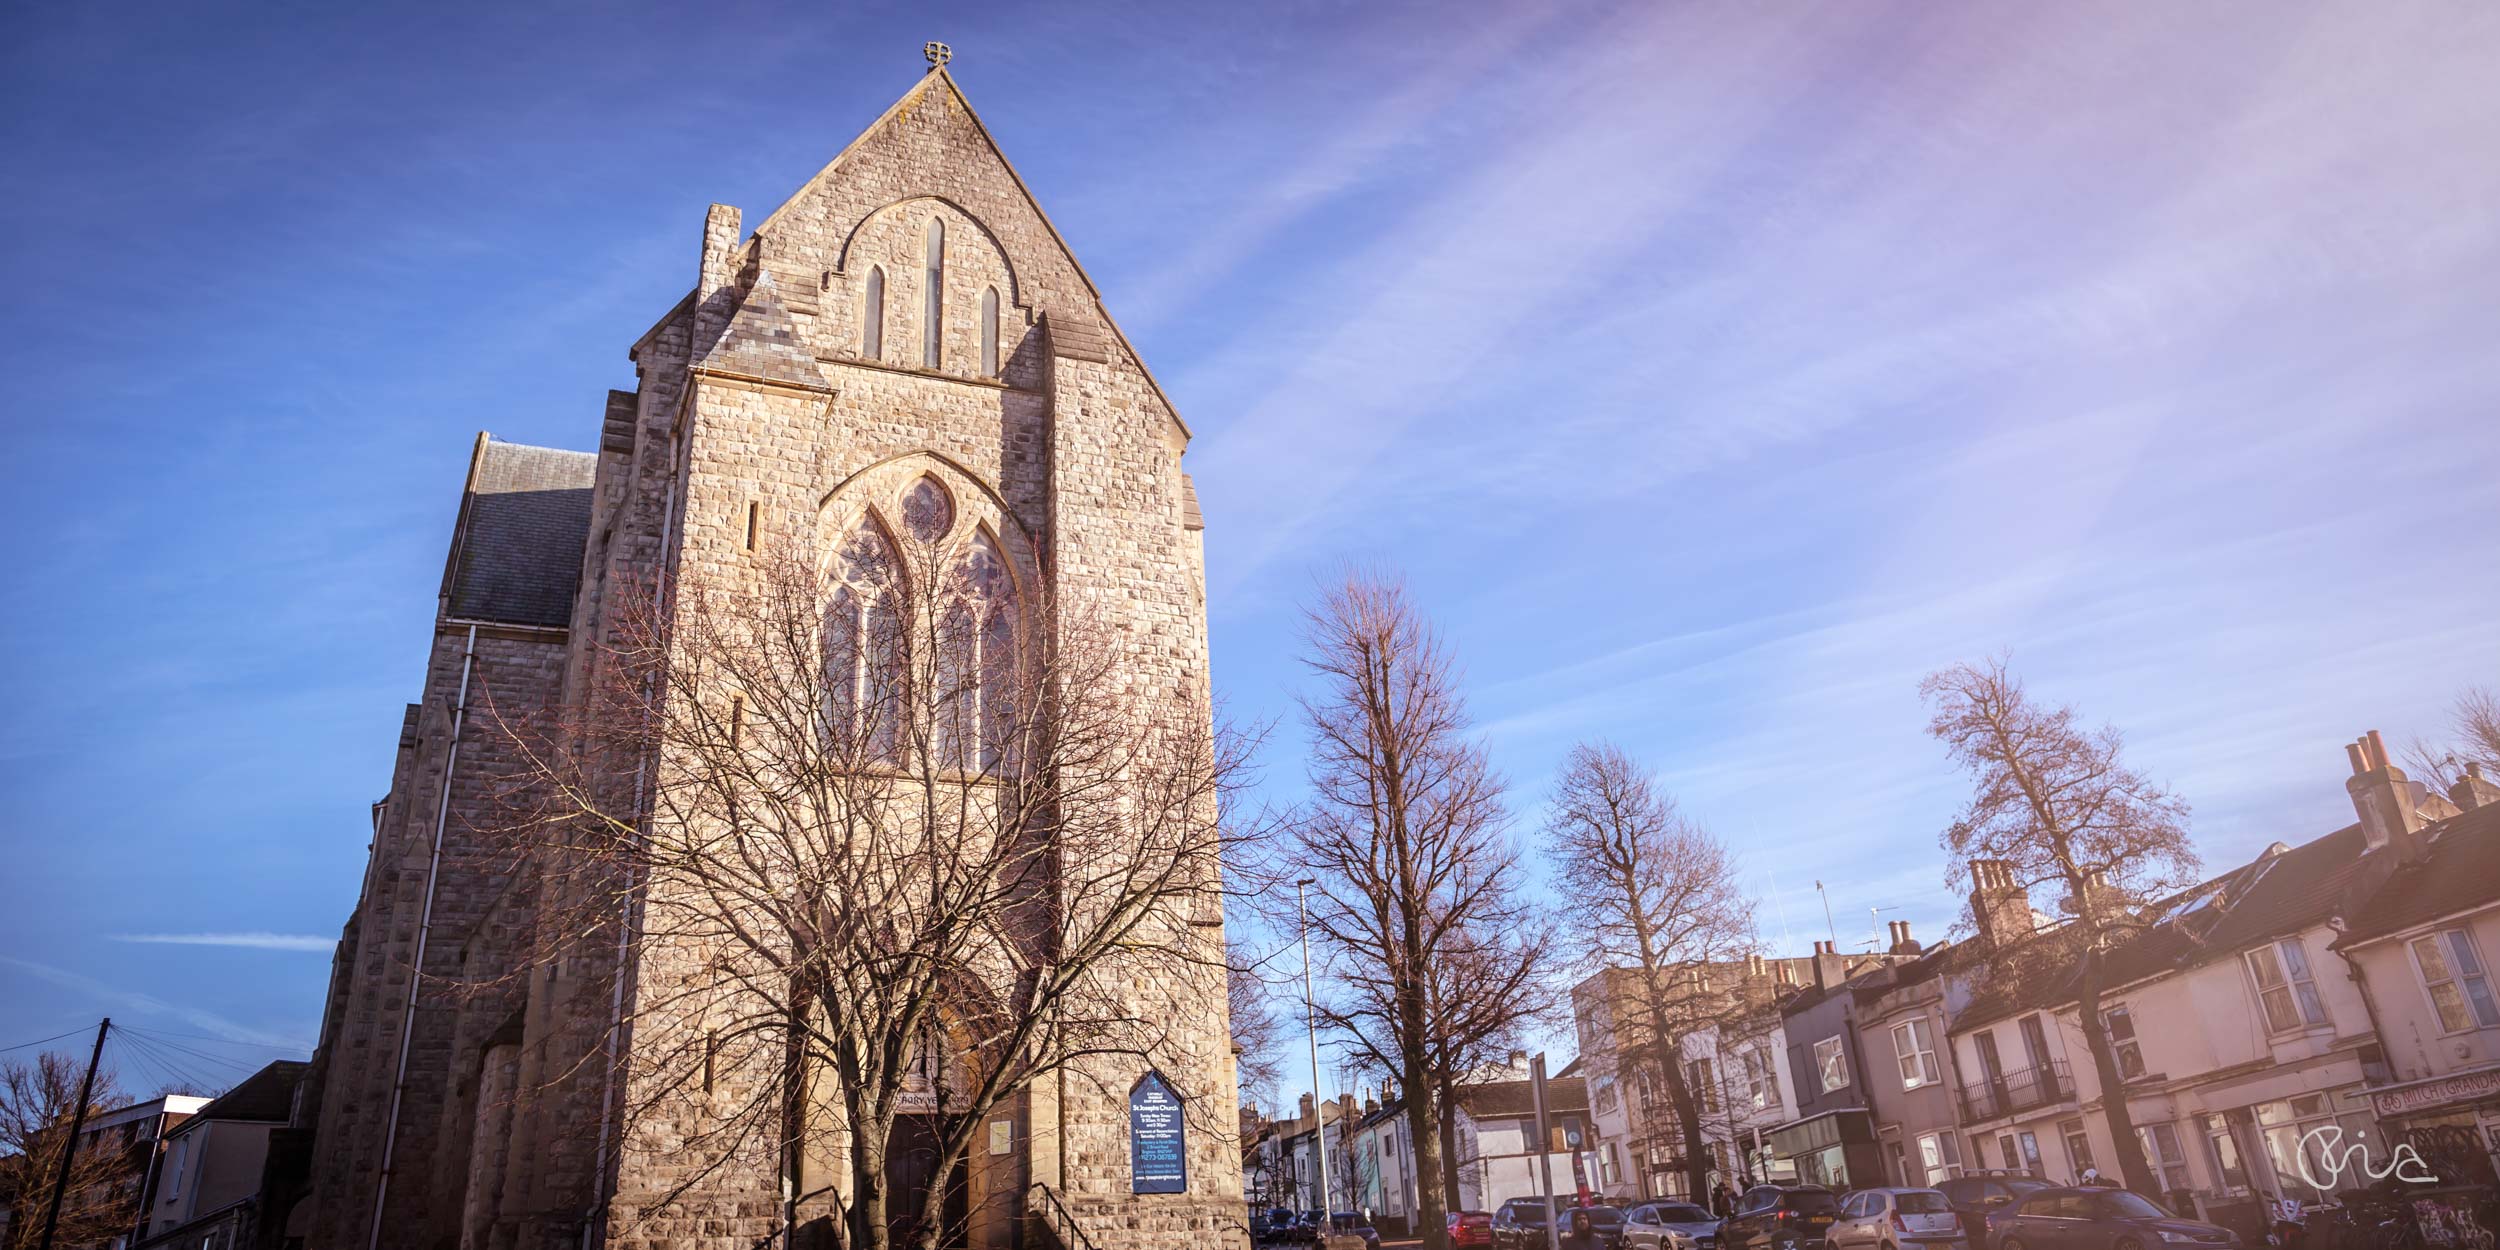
(1544, 1151)
(77, 1125)
(1319, 1099)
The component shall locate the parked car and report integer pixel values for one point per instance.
(1519, 1224)
(2062, 1218)
(1356, 1224)
(1897, 1219)
(1606, 1222)
(1780, 1217)
(1670, 1226)
(1470, 1228)
(1977, 1195)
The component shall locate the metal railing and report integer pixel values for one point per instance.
(1043, 1207)
(2016, 1091)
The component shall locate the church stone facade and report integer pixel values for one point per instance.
(909, 310)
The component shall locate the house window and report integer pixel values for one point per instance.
(1831, 1065)
(1757, 1078)
(1612, 1169)
(1705, 1089)
(2119, 1023)
(933, 299)
(1939, 1156)
(2453, 976)
(2284, 986)
(2225, 1152)
(2006, 1151)
(872, 314)
(2078, 1146)
(989, 332)
(2161, 1149)
(1914, 1045)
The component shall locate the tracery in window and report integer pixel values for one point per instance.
(872, 315)
(865, 646)
(933, 313)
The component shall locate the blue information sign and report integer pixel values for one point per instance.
(1157, 1154)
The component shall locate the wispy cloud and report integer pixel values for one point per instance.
(150, 1005)
(250, 941)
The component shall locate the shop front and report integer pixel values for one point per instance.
(1836, 1149)
(2450, 1127)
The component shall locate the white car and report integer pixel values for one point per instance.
(1897, 1219)
(1669, 1226)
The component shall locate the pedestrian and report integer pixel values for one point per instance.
(1583, 1232)
(1722, 1202)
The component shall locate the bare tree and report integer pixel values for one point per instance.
(37, 1102)
(2054, 805)
(1658, 897)
(2473, 739)
(1406, 837)
(907, 839)
(1259, 1041)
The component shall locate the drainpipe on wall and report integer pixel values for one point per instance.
(425, 928)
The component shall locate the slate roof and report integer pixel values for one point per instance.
(524, 522)
(762, 341)
(2460, 872)
(266, 1095)
(2278, 893)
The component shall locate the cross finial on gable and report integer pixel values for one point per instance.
(938, 54)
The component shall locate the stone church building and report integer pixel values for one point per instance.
(909, 315)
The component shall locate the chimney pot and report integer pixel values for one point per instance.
(2383, 800)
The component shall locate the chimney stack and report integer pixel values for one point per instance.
(1902, 942)
(2382, 798)
(1306, 1108)
(2474, 790)
(1829, 970)
(1998, 906)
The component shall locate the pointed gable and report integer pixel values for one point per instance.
(931, 145)
(762, 342)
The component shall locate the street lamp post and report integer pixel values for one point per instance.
(1319, 1098)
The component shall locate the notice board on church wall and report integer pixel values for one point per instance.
(1158, 1151)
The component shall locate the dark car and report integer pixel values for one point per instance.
(1780, 1217)
(1977, 1195)
(1519, 1224)
(1356, 1224)
(2061, 1218)
(1605, 1222)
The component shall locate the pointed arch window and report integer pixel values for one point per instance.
(872, 314)
(865, 647)
(989, 331)
(980, 678)
(933, 314)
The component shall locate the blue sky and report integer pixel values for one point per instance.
(1712, 371)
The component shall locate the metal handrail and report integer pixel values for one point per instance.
(1073, 1238)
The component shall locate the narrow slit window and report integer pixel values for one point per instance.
(933, 313)
(755, 521)
(989, 332)
(872, 315)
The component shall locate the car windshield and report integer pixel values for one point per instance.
(2126, 1206)
(1811, 1201)
(1683, 1214)
(1922, 1202)
(2019, 1186)
(1604, 1215)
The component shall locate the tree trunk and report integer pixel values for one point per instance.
(1424, 1126)
(2132, 1166)
(1447, 1093)
(869, 1230)
(1688, 1122)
